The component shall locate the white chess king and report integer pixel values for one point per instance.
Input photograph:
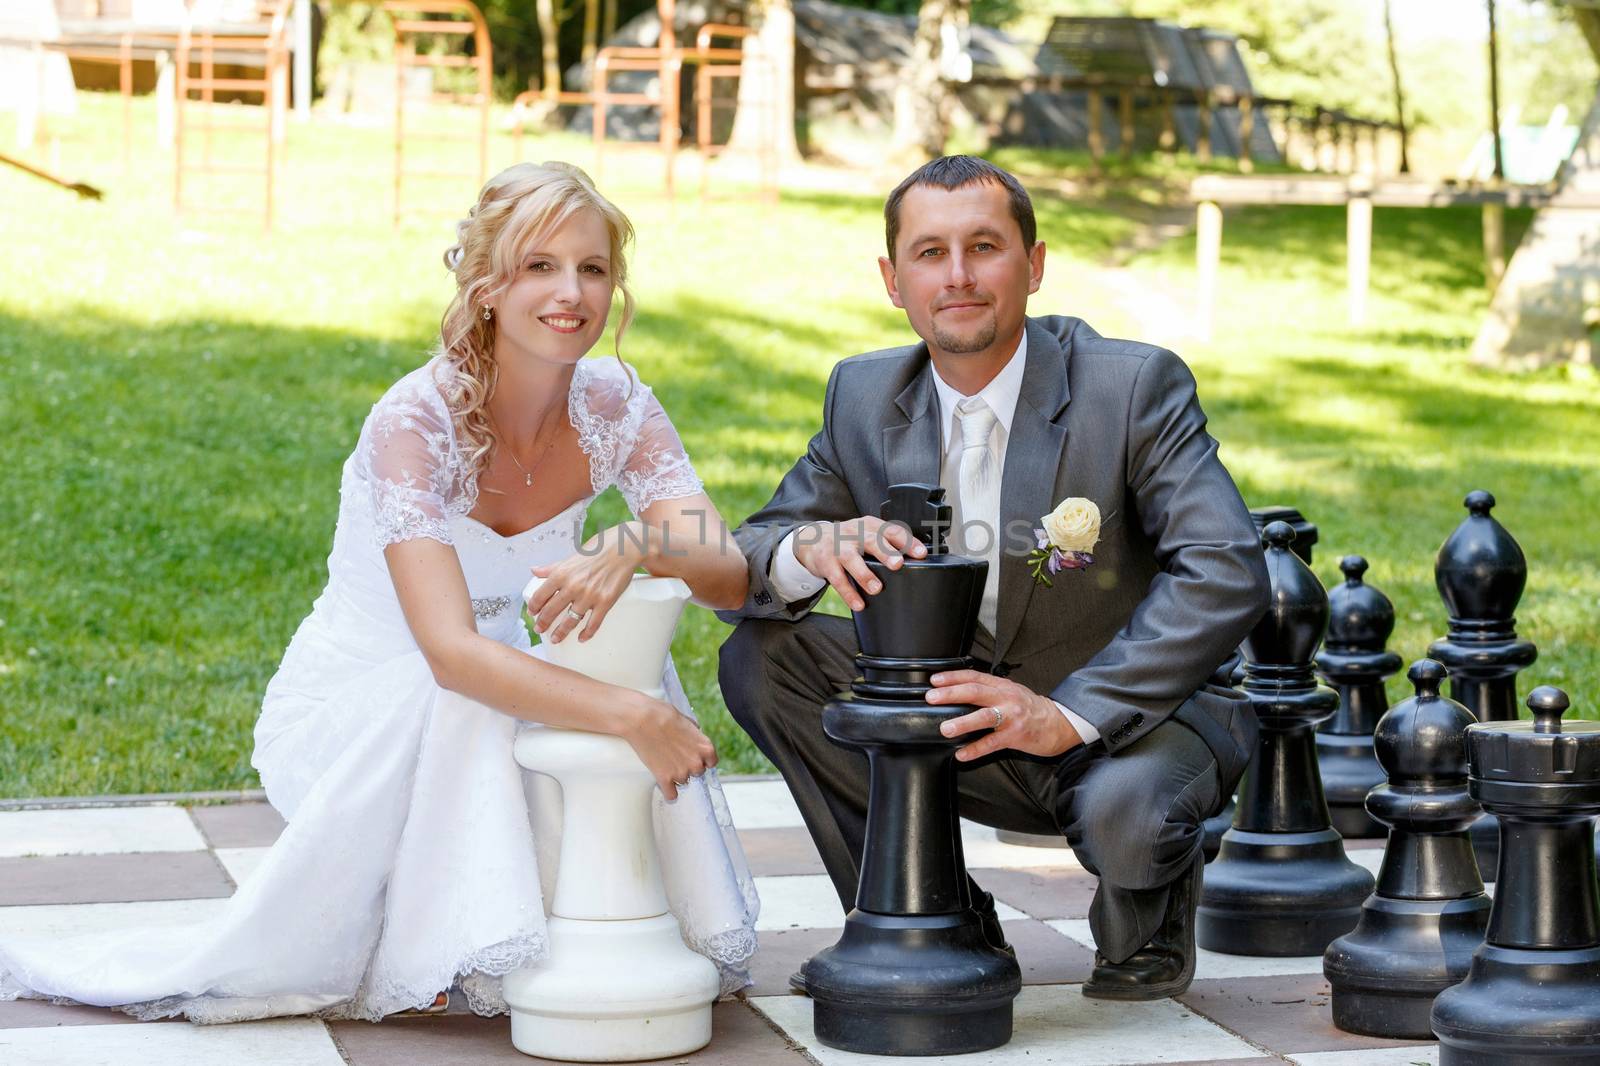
(619, 984)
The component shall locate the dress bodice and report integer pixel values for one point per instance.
(409, 477)
(498, 567)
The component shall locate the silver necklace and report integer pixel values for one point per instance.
(527, 472)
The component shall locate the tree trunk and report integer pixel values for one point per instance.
(1399, 95)
(922, 99)
(1588, 19)
(550, 80)
(1494, 97)
(591, 31)
(764, 118)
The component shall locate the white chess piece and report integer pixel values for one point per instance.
(619, 985)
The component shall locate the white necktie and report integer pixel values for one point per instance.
(980, 499)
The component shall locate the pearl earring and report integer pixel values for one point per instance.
(487, 314)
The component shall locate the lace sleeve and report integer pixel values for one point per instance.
(657, 467)
(407, 447)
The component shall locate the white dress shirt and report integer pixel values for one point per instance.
(793, 582)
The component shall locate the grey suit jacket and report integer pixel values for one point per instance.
(1178, 577)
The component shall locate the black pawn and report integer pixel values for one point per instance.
(1305, 536)
(1480, 573)
(1281, 883)
(1354, 661)
(1532, 993)
(1419, 929)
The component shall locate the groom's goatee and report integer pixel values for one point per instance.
(956, 344)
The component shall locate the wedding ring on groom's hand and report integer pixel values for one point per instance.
(999, 718)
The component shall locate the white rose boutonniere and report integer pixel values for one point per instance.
(1067, 540)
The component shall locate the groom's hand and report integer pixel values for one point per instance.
(837, 552)
(1028, 721)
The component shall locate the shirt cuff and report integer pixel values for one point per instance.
(1088, 732)
(791, 581)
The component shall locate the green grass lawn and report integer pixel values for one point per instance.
(178, 395)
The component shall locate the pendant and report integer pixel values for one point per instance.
(527, 479)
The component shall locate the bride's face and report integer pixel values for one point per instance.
(555, 308)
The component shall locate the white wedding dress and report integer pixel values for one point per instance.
(417, 853)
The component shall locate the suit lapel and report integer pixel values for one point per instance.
(1033, 458)
(911, 448)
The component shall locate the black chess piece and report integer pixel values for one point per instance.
(1532, 993)
(1305, 536)
(1480, 573)
(1419, 929)
(1281, 883)
(1354, 661)
(913, 972)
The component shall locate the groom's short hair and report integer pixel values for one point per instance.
(955, 172)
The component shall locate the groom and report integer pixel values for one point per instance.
(1105, 707)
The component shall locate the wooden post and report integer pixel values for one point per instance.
(1584, 354)
(671, 68)
(602, 68)
(1097, 139)
(1247, 127)
(1358, 238)
(1208, 255)
(1494, 244)
(125, 84)
(302, 59)
(166, 95)
(1202, 148)
(1125, 123)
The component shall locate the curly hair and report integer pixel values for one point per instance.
(516, 209)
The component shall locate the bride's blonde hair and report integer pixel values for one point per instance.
(517, 208)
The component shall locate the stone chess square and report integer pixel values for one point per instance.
(73, 869)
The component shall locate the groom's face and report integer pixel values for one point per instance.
(960, 270)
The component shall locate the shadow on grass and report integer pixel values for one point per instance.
(177, 499)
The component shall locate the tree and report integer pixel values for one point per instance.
(1399, 95)
(1588, 20)
(766, 89)
(925, 94)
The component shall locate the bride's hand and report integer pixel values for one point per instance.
(588, 583)
(669, 744)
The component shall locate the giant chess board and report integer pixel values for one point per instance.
(104, 867)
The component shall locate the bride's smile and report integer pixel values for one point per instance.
(555, 308)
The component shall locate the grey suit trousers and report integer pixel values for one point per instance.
(1133, 819)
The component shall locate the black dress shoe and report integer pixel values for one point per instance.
(993, 933)
(1165, 966)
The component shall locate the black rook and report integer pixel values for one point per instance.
(1532, 994)
(913, 973)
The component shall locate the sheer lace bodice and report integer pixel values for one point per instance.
(409, 461)
(417, 852)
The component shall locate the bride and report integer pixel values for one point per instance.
(417, 853)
